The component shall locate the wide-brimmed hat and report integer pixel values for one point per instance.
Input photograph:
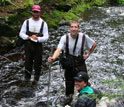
(81, 76)
(36, 8)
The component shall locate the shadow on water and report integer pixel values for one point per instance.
(106, 26)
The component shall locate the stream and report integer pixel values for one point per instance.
(105, 65)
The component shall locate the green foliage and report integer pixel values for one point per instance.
(18, 18)
(70, 16)
(54, 18)
(118, 84)
(57, 14)
(52, 22)
(6, 2)
(29, 3)
(119, 61)
(38, 1)
(63, 2)
(99, 2)
(12, 19)
(80, 8)
(120, 1)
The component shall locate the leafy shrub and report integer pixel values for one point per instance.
(70, 16)
(120, 1)
(5, 2)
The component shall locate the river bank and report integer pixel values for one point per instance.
(105, 65)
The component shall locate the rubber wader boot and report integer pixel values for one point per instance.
(36, 79)
(67, 100)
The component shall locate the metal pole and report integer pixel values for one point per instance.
(49, 77)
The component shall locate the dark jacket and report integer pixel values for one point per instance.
(86, 98)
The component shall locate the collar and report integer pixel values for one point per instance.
(87, 90)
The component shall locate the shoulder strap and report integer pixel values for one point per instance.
(67, 50)
(41, 29)
(27, 25)
(82, 48)
(75, 44)
(67, 42)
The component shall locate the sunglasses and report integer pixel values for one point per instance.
(35, 12)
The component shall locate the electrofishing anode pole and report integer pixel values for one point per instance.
(49, 77)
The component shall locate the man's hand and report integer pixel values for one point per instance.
(29, 37)
(55, 55)
(51, 59)
(85, 57)
(34, 37)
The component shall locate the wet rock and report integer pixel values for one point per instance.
(41, 104)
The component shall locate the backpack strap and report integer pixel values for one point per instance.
(82, 48)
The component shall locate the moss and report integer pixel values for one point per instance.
(54, 18)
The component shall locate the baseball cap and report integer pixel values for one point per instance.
(81, 76)
(36, 8)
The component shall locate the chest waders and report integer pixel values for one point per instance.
(79, 66)
(33, 54)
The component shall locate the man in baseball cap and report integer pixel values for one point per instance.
(36, 8)
(34, 32)
(85, 98)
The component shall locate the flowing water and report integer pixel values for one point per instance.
(105, 65)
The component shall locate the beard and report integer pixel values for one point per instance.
(36, 17)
